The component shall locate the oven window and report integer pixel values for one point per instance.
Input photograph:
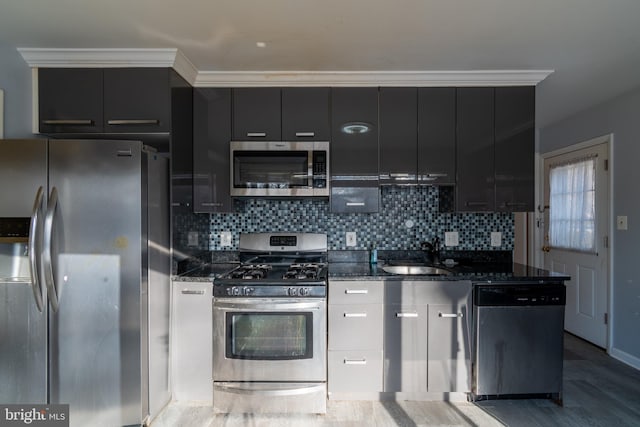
(269, 336)
(269, 169)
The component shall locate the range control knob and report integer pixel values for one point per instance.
(304, 291)
(247, 291)
(292, 292)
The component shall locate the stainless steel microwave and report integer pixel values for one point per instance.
(279, 168)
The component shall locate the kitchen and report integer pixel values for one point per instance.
(408, 215)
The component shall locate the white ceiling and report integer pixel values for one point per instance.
(593, 45)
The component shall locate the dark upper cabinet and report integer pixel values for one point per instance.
(354, 132)
(212, 133)
(514, 148)
(70, 100)
(137, 100)
(398, 135)
(437, 135)
(111, 100)
(475, 189)
(257, 114)
(354, 150)
(305, 114)
(181, 144)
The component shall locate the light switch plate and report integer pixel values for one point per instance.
(621, 222)
(496, 238)
(351, 238)
(225, 238)
(451, 238)
(192, 238)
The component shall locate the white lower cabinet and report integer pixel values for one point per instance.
(355, 339)
(191, 348)
(404, 339)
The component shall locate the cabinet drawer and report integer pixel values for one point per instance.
(355, 292)
(355, 327)
(355, 371)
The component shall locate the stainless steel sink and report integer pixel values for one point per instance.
(415, 270)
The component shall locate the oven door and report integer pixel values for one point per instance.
(256, 339)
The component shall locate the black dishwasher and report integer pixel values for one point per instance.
(518, 340)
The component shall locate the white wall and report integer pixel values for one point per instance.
(15, 81)
(621, 117)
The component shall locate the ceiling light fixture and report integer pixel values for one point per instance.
(261, 44)
(356, 127)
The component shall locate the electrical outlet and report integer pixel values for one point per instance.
(621, 222)
(496, 238)
(225, 238)
(192, 238)
(451, 238)
(351, 238)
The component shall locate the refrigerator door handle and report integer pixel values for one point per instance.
(48, 246)
(36, 217)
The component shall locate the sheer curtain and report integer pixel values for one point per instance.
(572, 205)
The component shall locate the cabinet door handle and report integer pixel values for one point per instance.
(256, 134)
(470, 204)
(449, 315)
(69, 122)
(212, 204)
(133, 122)
(192, 292)
(355, 203)
(356, 291)
(516, 204)
(406, 314)
(306, 134)
(355, 315)
(355, 361)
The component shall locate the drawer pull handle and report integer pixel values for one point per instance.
(449, 315)
(355, 361)
(133, 122)
(192, 292)
(355, 315)
(215, 205)
(256, 134)
(69, 122)
(355, 203)
(356, 291)
(406, 314)
(307, 134)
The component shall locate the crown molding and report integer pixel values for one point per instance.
(110, 58)
(371, 78)
(172, 57)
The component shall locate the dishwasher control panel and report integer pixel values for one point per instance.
(519, 295)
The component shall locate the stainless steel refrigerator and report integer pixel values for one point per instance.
(84, 278)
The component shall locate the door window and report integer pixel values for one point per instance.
(572, 213)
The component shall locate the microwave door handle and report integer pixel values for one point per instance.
(34, 229)
(48, 247)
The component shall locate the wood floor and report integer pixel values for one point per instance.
(598, 391)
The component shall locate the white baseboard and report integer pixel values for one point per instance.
(624, 357)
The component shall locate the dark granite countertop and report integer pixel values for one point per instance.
(477, 272)
(477, 266)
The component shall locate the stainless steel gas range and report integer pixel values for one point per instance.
(269, 326)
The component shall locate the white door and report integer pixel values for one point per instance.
(576, 223)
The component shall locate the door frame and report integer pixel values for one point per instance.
(539, 216)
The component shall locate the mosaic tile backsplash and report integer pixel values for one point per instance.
(408, 216)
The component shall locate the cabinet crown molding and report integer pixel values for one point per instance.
(172, 57)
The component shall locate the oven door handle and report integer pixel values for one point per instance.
(253, 305)
(294, 390)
